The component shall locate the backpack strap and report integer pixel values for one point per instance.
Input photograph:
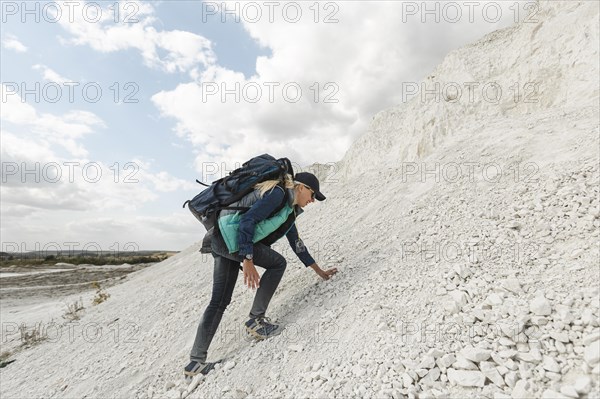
(283, 202)
(235, 208)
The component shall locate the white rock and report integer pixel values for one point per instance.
(588, 339)
(480, 314)
(436, 353)
(587, 317)
(576, 253)
(229, 365)
(495, 299)
(502, 370)
(475, 354)
(539, 320)
(560, 347)
(507, 353)
(191, 386)
(464, 364)
(428, 362)
(522, 346)
(540, 306)
(550, 394)
(535, 352)
(407, 380)
(358, 371)
(446, 360)
(466, 378)
(295, 347)
(489, 370)
(521, 390)
(431, 376)
(561, 336)
(169, 385)
(529, 357)
(462, 270)
(451, 306)
(591, 353)
(513, 224)
(569, 391)
(583, 384)
(511, 378)
(564, 313)
(512, 284)
(550, 364)
(553, 376)
(460, 297)
(510, 364)
(238, 394)
(422, 372)
(173, 394)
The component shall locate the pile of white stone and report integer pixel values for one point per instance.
(526, 338)
(520, 345)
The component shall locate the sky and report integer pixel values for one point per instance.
(111, 110)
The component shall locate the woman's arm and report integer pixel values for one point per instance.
(298, 246)
(302, 252)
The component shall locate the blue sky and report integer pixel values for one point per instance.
(161, 61)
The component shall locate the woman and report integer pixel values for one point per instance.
(247, 238)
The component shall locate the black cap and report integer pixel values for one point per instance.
(311, 181)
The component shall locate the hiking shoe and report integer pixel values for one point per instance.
(261, 327)
(195, 368)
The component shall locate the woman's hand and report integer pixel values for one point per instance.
(324, 274)
(251, 277)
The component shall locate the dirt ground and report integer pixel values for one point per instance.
(53, 281)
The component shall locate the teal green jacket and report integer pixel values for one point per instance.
(229, 221)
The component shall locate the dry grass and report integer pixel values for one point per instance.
(72, 309)
(33, 336)
(101, 295)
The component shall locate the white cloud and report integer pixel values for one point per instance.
(42, 189)
(143, 232)
(50, 75)
(11, 42)
(34, 175)
(61, 130)
(366, 57)
(183, 50)
(82, 206)
(165, 182)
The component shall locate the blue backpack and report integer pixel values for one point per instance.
(223, 192)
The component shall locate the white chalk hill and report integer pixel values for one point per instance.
(473, 285)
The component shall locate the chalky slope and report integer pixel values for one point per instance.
(466, 232)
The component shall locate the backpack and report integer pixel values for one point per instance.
(225, 191)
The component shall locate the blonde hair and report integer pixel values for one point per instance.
(270, 184)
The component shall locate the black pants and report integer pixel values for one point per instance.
(225, 275)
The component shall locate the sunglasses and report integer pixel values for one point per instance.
(312, 193)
